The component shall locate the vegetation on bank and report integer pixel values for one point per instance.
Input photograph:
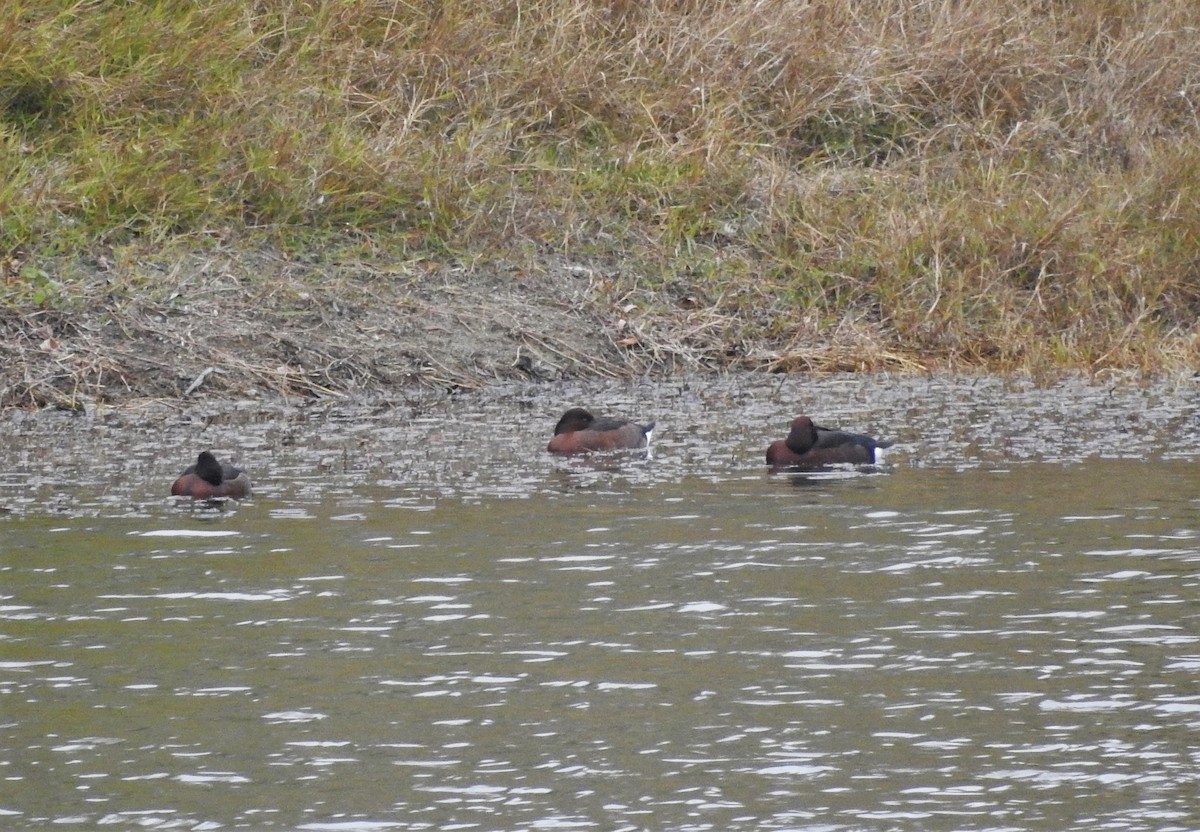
(771, 183)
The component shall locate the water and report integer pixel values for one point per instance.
(421, 621)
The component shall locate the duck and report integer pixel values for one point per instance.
(579, 432)
(809, 445)
(209, 479)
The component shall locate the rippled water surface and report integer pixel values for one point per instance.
(421, 621)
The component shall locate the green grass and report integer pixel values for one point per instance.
(1004, 183)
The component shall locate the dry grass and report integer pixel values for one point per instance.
(778, 184)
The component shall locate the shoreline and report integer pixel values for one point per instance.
(239, 323)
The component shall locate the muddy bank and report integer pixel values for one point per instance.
(247, 325)
(237, 324)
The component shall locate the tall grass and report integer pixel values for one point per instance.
(990, 181)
